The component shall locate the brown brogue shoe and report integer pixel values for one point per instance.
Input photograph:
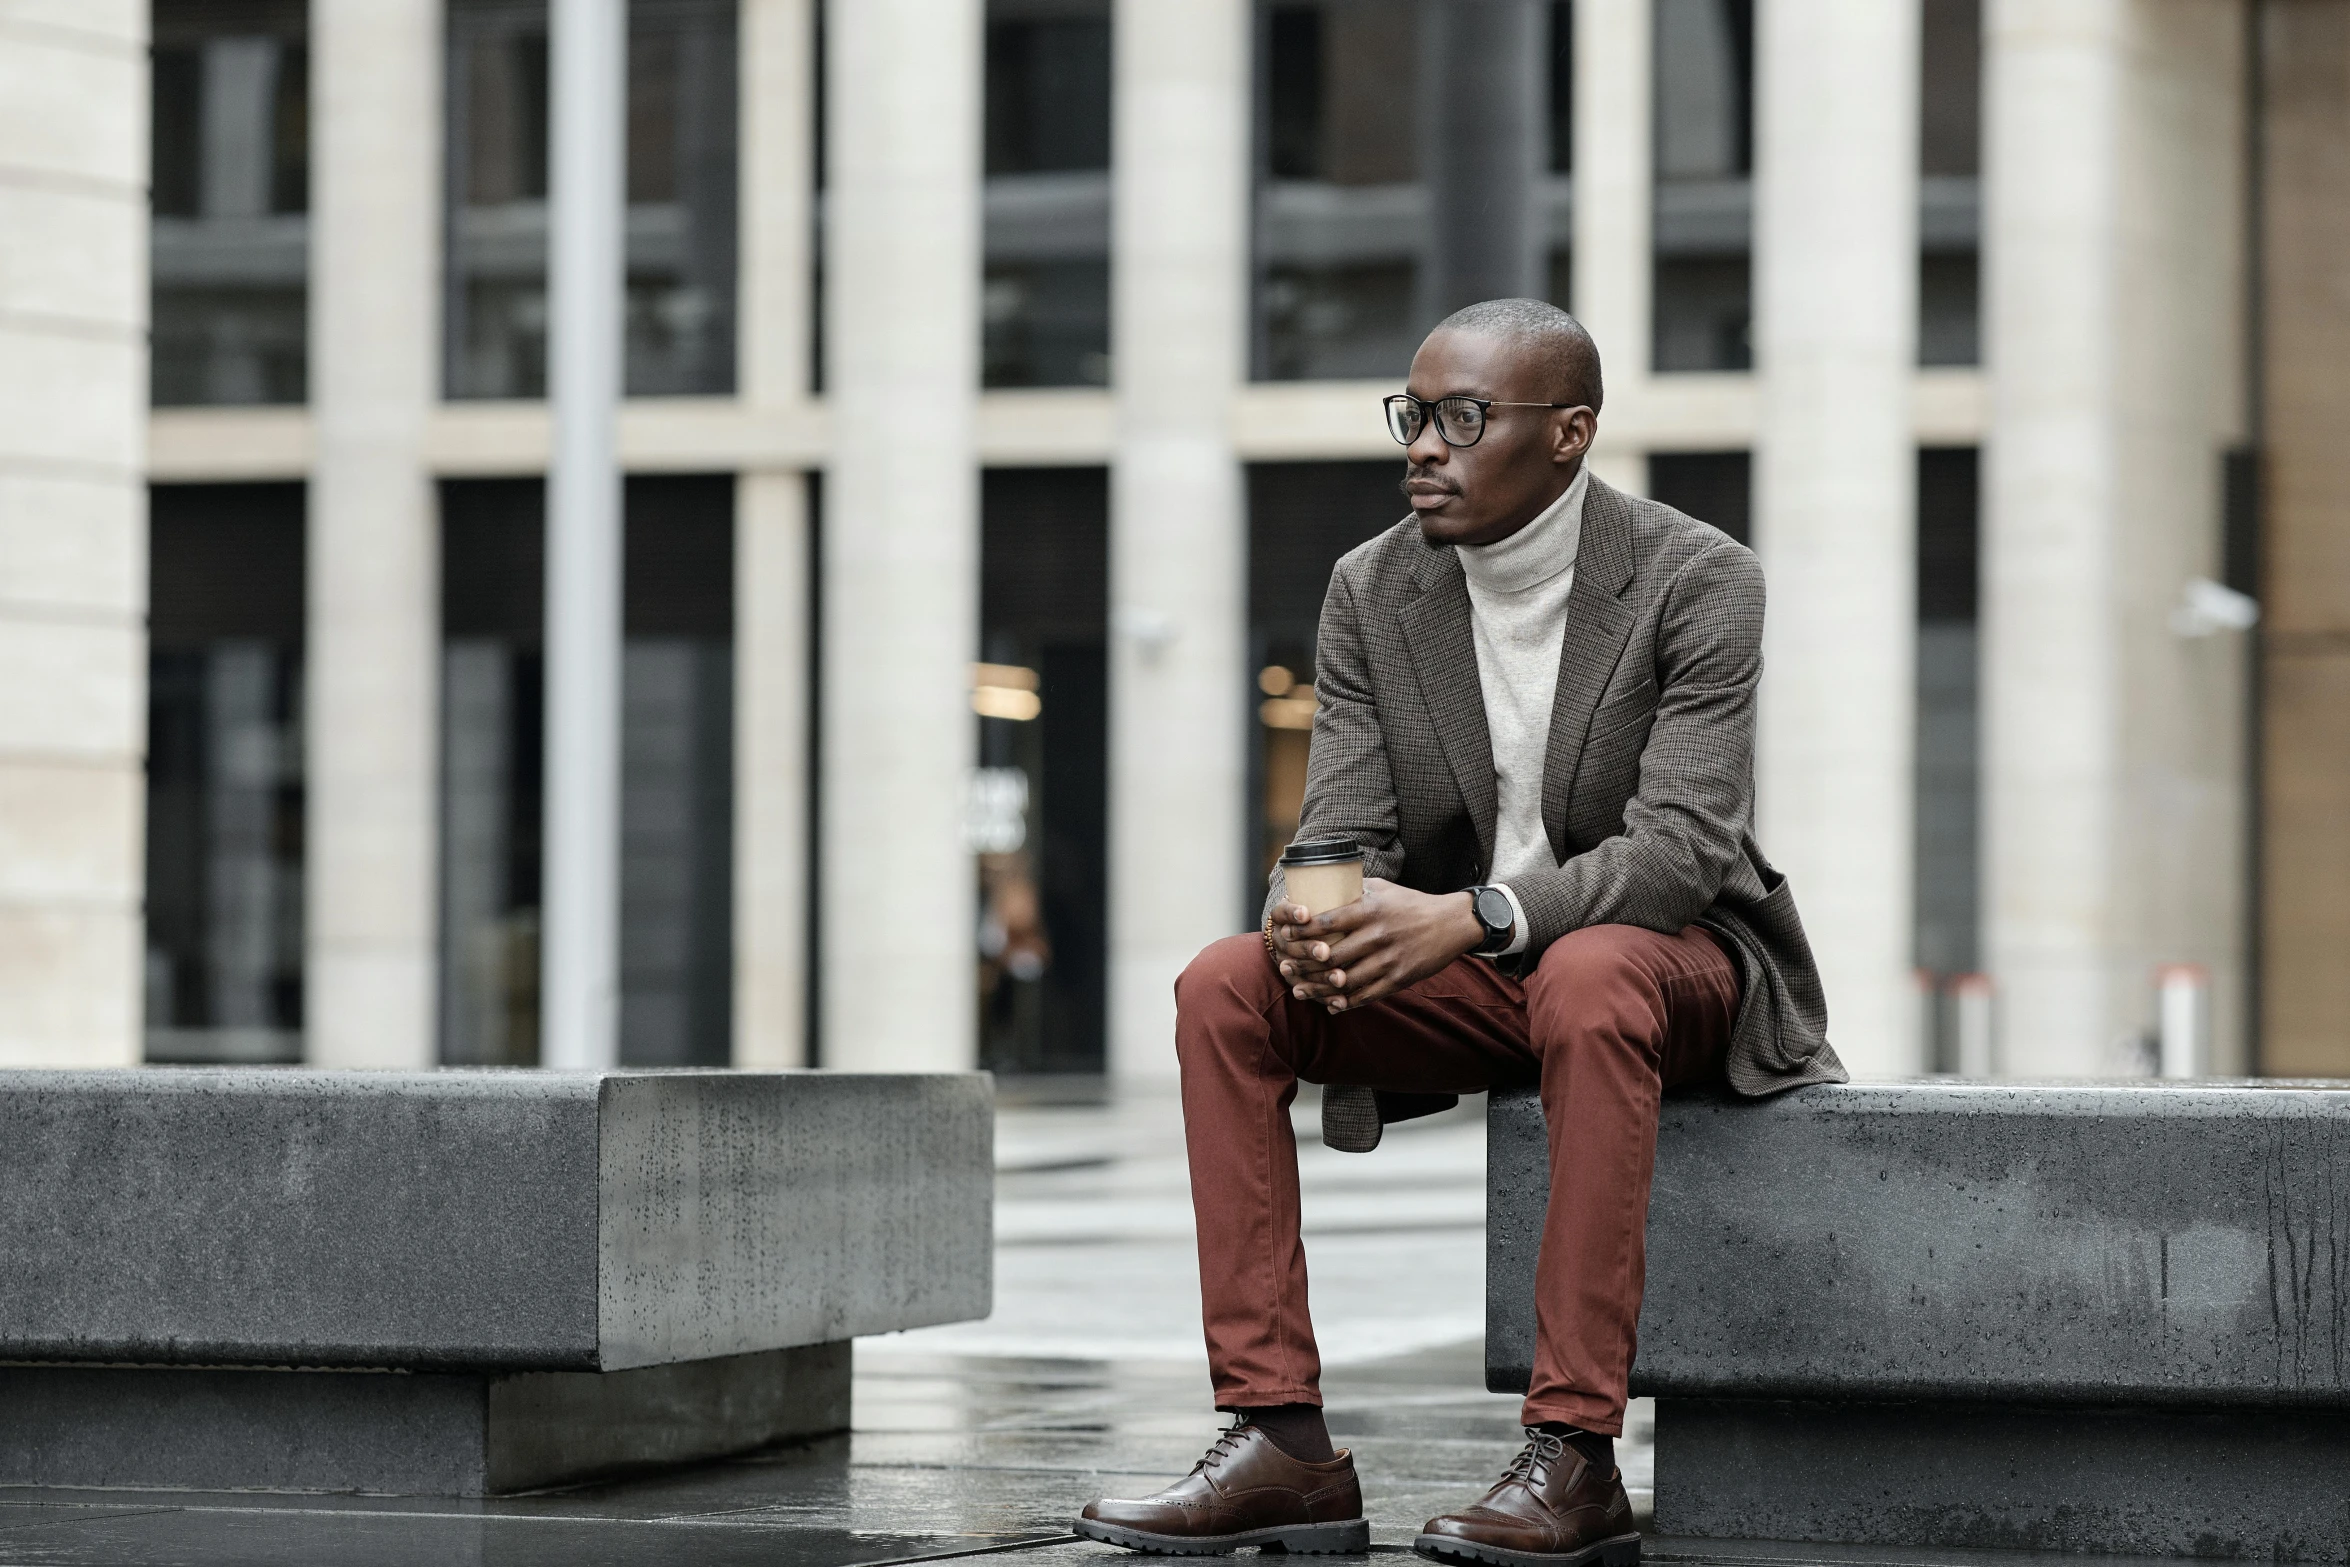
(1551, 1508)
(1246, 1491)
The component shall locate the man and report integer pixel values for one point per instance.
(1537, 720)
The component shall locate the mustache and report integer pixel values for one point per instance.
(1426, 474)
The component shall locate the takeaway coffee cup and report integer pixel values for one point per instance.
(1323, 873)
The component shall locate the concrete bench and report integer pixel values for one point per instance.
(463, 1282)
(2086, 1318)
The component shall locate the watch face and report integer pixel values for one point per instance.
(1493, 909)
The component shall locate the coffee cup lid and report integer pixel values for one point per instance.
(1321, 851)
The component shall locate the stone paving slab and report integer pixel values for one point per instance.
(981, 1459)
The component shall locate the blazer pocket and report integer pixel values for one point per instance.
(1606, 726)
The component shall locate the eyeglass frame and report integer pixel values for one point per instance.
(1429, 415)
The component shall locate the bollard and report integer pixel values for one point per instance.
(2183, 992)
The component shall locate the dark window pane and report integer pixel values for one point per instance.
(177, 131)
(1301, 518)
(1046, 304)
(1704, 210)
(1043, 614)
(230, 242)
(223, 962)
(1947, 538)
(1948, 729)
(1950, 307)
(1048, 87)
(1293, 81)
(1562, 91)
(1410, 162)
(1950, 101)
(1950, 192)
(676, 770)
(2240, 520)
(680, 172)
(1715, 487)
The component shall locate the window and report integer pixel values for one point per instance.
(1301, 517)
(1715, 487)
(230, 230)
(1046, 296)
(676, 778)
(1041, 801)
(1410, 160)
(1704, 187)
(224, 773)
(1950, 190)
(680, 220)
(1948, 823)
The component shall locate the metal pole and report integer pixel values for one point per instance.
(580, 897)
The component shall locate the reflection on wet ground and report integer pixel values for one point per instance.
(983, 1439)
(952, 1455)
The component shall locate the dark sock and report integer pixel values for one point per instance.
(1599, 1451)
(1296, 1429)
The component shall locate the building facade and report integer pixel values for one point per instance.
(1001, 383)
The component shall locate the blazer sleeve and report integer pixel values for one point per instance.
(1688, 816)
(1350, 791)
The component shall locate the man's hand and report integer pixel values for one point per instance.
(1392, 938)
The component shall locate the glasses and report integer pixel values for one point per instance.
(1459, 420)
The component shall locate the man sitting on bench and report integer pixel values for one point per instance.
(1536, 721)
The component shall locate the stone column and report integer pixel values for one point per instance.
(771, 587)
(1179, 691)
(579, 877)
(901, 531)
(1483, 139)
(1613, 209)
(2113, 757)
(1836, 268)
(2305, 991)
(73, 509)
(771, 770)
(373, 658)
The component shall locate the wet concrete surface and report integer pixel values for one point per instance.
(981, 1440)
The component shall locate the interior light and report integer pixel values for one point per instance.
(1005, 702)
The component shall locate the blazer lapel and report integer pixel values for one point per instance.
(1598, 624)
(1444, 658)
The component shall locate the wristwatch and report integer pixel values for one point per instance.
(1492, 908)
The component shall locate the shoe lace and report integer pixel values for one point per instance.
(1542, 1450)
(1226, 1444)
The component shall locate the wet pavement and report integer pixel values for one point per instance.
(982, 1439)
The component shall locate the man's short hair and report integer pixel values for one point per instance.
(1569, 356)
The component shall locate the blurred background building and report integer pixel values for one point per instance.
(1001, 383)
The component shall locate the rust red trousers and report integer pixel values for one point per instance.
(1610, 1018)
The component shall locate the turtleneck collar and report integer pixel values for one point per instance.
(1535, 553)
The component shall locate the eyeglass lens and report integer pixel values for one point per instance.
(1458, 419)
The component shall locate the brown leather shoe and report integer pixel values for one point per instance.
(1245, 1491)
(1552, 1508)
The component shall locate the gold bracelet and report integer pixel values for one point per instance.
(1271, 951)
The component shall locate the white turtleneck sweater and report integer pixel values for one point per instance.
(1518, 591)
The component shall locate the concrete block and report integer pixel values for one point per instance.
(484, 1221)
(447, 1433)
(2178, 1244)
(2265, 1484)
(2109, 1317)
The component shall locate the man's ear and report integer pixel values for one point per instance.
(1572, 434)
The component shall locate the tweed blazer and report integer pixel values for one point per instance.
(1648, 783)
